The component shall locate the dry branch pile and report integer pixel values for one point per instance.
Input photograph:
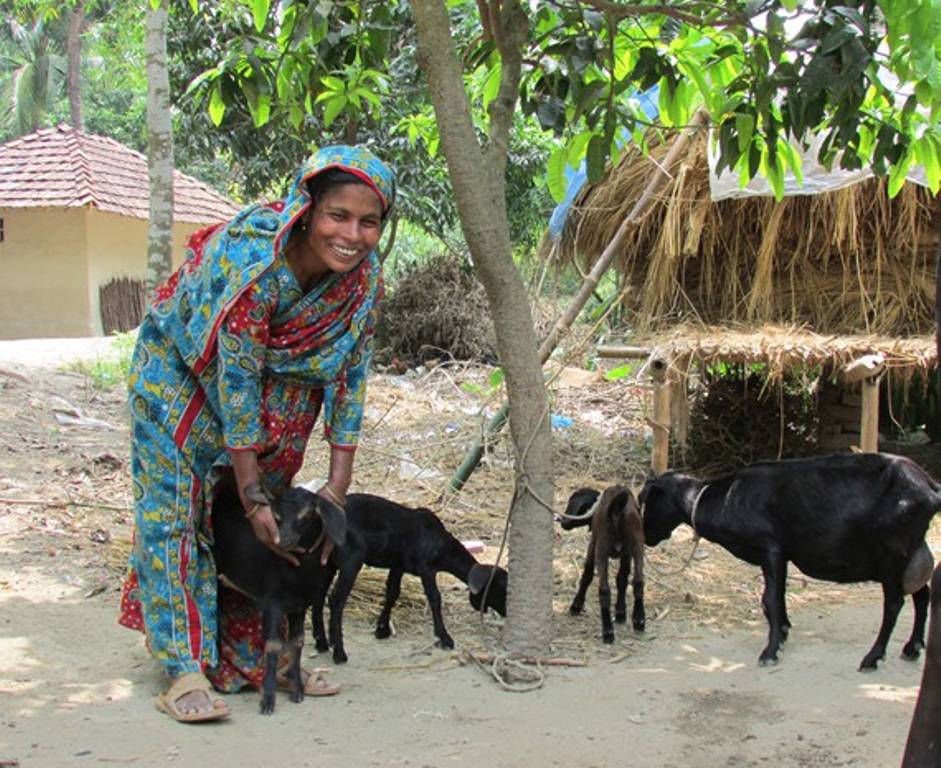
(846, 261)
(438, 310)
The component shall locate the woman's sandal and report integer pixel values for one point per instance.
(315, 682)
(188, 683)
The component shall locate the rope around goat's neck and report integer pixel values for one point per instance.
(692, 515)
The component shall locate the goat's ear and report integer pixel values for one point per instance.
(254, 492)
(334, 521)
(478, 577)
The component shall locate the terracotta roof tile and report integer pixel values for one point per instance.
(61, 166)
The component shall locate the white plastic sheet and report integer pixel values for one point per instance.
(817, 179)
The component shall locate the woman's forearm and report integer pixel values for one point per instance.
(341, 470)
(245, 465)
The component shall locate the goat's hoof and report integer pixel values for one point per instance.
(640, 626)
(446, 642)
(869, 664)
(607, 638)
(297, 696)
(620, 618)
(339, 656)
(911, 651)
(267, 704)
(575, 610)
(767, 659)
(322, 646)
(382, 632)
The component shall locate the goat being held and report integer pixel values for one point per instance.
(617, 530)
(384, 534)
(842, 518)
(279, 587)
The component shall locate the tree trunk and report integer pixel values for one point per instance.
(477, 177)
(159, 150)
(74, 78)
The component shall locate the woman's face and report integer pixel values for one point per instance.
(343, 227)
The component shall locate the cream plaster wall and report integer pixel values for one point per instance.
(43, 273)
(53, 262)
(117, 247)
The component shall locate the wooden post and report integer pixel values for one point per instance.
(660, 455)
(867, 369)
(869, 428)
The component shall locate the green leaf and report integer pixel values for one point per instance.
(260, 13)
(216, 104)
(333, 83)
(491, 86)
(595, 158)
(744, 127)
(897, 174)
(194, 6)
(296, 116)
(496, 378)
(555, 174)
(333, 108)
(792, 159)
(262, 111)
(619, 373)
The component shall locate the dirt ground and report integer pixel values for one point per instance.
(77, 690)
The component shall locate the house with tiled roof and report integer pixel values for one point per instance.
(73, 227)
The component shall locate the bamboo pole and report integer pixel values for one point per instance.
(660, 455)
(562, 324)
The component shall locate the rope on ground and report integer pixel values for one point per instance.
(511, 674)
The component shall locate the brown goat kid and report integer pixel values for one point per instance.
(617, 530)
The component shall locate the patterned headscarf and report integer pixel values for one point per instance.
(224, 259)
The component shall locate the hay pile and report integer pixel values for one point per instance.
(846, 261)
(437, 310)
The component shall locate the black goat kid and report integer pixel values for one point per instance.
(617, 530)
(842, 518)
(384, 534)
(279, 587)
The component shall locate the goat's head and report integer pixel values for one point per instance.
(663, 500)
(302, 516)
(477, 582)
(579, 510)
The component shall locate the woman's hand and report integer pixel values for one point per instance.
(266, 531)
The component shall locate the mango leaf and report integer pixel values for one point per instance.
(333, 107)
(555, 174)
(262, 111)
(595, 158)
(897, 174)
(744, 127)
(216, 104)
(260, 13)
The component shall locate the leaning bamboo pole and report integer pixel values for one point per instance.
(561, 326)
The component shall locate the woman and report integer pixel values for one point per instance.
(270, 318)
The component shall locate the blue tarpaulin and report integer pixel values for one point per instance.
(575, 179)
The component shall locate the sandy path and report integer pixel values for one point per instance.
(77, 690)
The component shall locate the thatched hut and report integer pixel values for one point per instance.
(810, 282)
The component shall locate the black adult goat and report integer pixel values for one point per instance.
(843, 518)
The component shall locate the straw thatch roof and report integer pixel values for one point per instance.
(847, 262)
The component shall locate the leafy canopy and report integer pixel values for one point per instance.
(771, 73)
